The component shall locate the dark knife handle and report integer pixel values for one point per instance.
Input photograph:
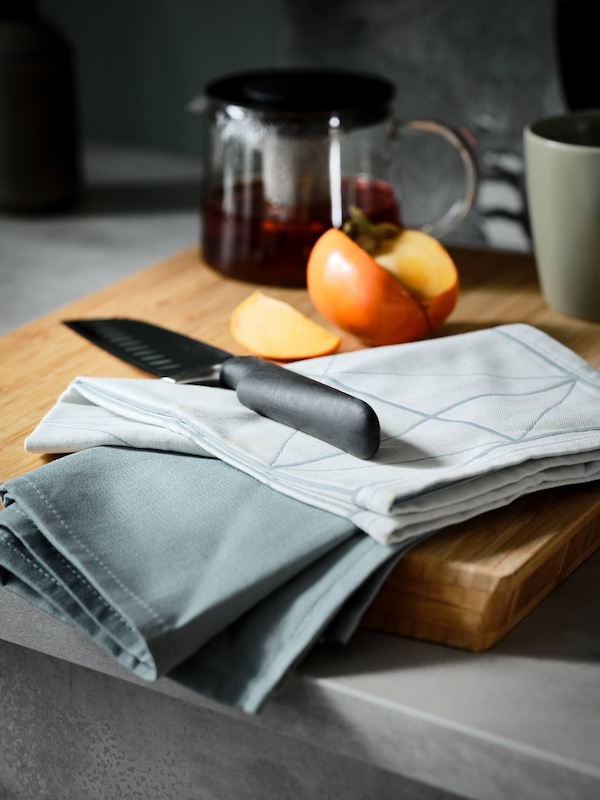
(303, 403)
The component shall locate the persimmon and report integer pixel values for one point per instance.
(353, 292)
(273, 329)
(384, 284)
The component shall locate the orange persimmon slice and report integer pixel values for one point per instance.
(425, 268)
(273, 329)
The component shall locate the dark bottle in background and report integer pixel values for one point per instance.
(39, 147)
(576, 30)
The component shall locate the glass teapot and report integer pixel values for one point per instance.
(288, 152)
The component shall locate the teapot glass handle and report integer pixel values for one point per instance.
(459, 141)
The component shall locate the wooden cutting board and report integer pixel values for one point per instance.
(465, 587)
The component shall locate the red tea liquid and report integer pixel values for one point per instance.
(259, 243)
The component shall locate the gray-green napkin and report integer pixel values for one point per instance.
(182, 565)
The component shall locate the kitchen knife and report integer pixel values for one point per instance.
(273, 391)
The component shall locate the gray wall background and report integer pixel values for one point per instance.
(139, 62)
(485, 65)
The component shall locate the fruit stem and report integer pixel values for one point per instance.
(368, 235)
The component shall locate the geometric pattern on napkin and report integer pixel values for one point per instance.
(469, 423)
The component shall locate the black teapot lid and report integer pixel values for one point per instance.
(306, 91)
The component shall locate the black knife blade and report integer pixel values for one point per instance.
(273, 391)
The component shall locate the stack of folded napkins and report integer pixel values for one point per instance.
(162, 536)
(469, 423)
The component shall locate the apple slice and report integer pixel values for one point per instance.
(273, 329)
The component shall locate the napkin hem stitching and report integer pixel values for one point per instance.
(152, 612)
(110, 640)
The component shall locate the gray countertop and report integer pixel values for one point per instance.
(137, 207)
(520, 720)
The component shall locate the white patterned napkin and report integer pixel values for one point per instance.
(469, 423)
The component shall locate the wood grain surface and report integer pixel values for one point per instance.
(465, 587)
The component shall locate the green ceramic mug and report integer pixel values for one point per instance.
(562, 168)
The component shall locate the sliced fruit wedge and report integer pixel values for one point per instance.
(273, 329)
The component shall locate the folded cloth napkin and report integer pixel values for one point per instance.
(469, 423)
(185, 566)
